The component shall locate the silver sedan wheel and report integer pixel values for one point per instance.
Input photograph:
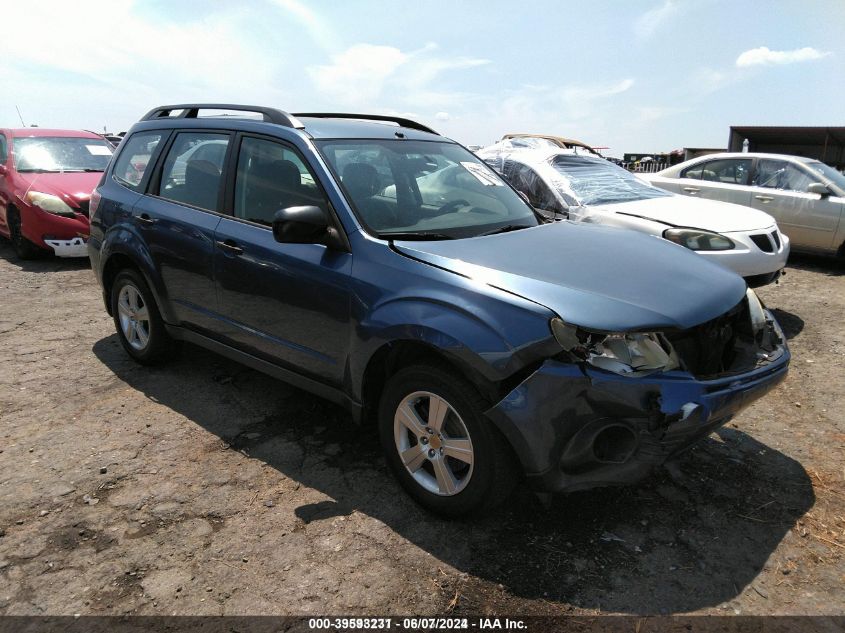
(433, 443)
(134, 317)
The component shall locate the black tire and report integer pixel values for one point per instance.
(494, 471)
(24, 249)
(159, 345)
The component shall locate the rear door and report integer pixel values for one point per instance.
(287, 303)
(779, 187)
(177, 220)
(724, 179)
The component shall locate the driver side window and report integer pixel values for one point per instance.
(272, 176)
(778, 174)
(539, 193)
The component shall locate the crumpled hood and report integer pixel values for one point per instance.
(711, 215)
(598, 277)
(75, 186)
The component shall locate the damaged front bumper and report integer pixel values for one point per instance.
(75, 247)
(575, 427)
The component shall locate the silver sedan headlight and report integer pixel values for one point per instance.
(624, 353)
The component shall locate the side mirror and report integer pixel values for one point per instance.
(819, 188)
(306, 225)
(300, 225)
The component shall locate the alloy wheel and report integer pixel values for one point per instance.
(134, 317)
(433, 443)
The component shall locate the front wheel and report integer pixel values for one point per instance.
(446, 455)
(24, 249)
(139, 325)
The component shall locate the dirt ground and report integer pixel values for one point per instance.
(203, 487)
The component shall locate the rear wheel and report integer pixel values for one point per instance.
(446, 455)
(137, 320)
(23, 247)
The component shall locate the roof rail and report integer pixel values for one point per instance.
(191, 111)
(369, 117)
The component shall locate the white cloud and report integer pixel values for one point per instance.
(366, 74)
(442, 116)
(647, 24)
(597, 91)
(317, 27)
(359, 73)
(763, 56)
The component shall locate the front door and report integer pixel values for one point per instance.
(780, 189)
(287, 303)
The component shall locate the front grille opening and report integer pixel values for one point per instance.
(762, 241)
(723, 345)
(776, 238)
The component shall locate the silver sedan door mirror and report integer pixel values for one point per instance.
(819, 188)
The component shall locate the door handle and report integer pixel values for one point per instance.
(764, 198)
(692, 189)
(145, 218)
(230, 247)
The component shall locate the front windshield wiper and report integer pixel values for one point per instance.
(415, 235)
(505, 229)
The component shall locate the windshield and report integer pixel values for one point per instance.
(424, 189)
(828, 173)
(60, 153)
(598, 181)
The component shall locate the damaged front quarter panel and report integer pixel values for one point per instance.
(574, 426)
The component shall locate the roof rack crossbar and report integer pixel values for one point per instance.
(191, 111)
(408, 123)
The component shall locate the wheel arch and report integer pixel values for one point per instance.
(137, 258)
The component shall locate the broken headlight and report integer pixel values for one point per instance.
(626, 354)
(698, 240)
(756, 312)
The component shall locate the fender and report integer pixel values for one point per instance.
(492, 345)
(123, 239)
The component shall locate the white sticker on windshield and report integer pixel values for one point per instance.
(483, 174)
(98, 150)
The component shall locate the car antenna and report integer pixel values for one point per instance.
(20, 116)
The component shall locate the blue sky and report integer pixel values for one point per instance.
(651, 75)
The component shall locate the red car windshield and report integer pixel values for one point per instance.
(61, 153)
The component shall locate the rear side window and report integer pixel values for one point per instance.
(693, 172)
(134, 159)
(4, 152)
(730, 171)
(193, 169)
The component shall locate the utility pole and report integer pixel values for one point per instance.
(19, 116)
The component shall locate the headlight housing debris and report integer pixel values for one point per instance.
(699, 240)
(626, 354)
(49, 203)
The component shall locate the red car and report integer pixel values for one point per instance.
(46, 180)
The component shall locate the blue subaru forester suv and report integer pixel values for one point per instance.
(375, 263)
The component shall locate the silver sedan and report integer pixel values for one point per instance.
(805, 196)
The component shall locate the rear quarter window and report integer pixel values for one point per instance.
(135, 159)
